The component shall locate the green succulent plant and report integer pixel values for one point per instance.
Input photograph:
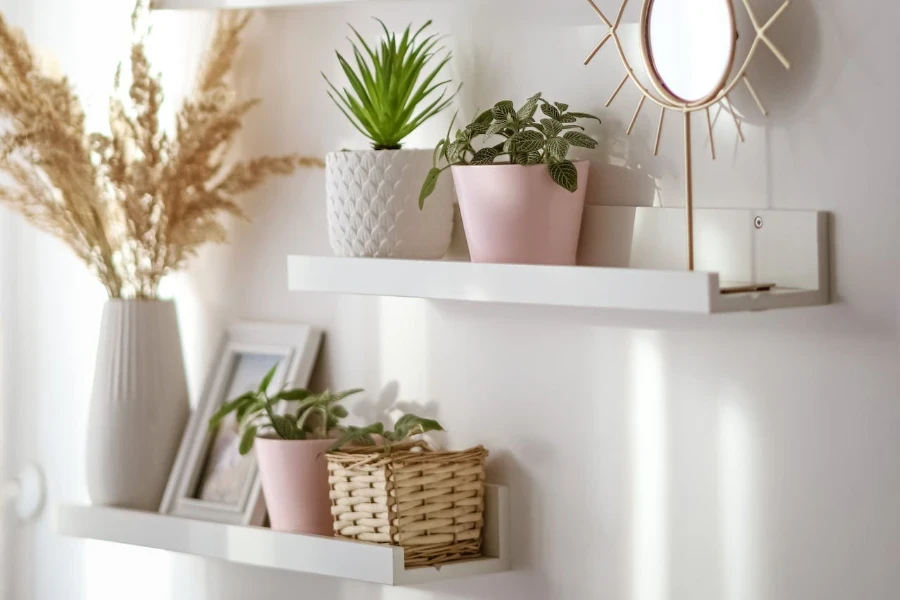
(295, 414)
(525, 141)
(406, 427)
(393, 89)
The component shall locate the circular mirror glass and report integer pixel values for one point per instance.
(690, 46)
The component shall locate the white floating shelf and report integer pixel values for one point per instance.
(228, 4)
(301, 553)
(633, 259)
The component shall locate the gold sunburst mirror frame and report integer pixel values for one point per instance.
(668, 100)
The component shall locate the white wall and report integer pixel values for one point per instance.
(650, 457)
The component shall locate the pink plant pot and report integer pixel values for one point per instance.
(295, 483)
(516, 214)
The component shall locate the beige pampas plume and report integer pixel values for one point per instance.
(137, 202)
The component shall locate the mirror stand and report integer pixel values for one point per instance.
(666, 97)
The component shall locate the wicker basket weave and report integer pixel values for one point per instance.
(430, 503)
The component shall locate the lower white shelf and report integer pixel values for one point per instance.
(262, 547)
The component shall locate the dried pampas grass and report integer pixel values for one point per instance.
(134, 203)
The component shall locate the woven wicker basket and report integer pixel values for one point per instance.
(430, 503)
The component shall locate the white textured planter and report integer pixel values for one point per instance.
(373, 205)
(139, 406)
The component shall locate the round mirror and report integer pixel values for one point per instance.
(688, 46)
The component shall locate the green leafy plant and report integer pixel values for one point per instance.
(303, 415)
(393, 89)
(406, 427)
(527, 139)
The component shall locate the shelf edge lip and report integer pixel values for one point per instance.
(501, 283)
(263, 547)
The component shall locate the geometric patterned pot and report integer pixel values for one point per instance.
(373, 205)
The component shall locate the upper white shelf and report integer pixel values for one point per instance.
(633, 259)
(225, 4)
(301, 553)
(585, 287)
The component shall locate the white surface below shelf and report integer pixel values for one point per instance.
(301, 553)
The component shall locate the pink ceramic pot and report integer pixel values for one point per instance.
(295, 483)
(515, 214)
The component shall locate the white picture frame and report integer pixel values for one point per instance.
(249, 351)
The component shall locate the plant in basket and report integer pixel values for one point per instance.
(291, 431)
(520, 195)
(393, 87)
(403, 493)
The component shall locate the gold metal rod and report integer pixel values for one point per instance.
(689, 189)
(618, 89)
(621, 13)
(662, 114)
(600, 14)
(597, 49)
(781, 57)
(709, 128)
(727, 102)
(636, 113)
(756, 99)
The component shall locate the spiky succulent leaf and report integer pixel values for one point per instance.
(393, 88)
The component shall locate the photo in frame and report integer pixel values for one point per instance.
(210, 479)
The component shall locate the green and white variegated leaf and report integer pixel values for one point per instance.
(561, 106)
(557, 148)
(455, 151)
(463, 135)
(534, 158)
(527, 141)
(579, 115)
(509, 146)
(528, 109)
(496, 128)
(485, 156)
(502, 109)
(569, 118)
(486, 117)
(520, 158)
(565, 175)
(477, 128)
(550, 110)
(552, 127)
(580, 140)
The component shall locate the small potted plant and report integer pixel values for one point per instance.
(372, 194)
(403, 493)
(291, 432)
(520, 196)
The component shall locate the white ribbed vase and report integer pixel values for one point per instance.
(373, 205)
(139, 406)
